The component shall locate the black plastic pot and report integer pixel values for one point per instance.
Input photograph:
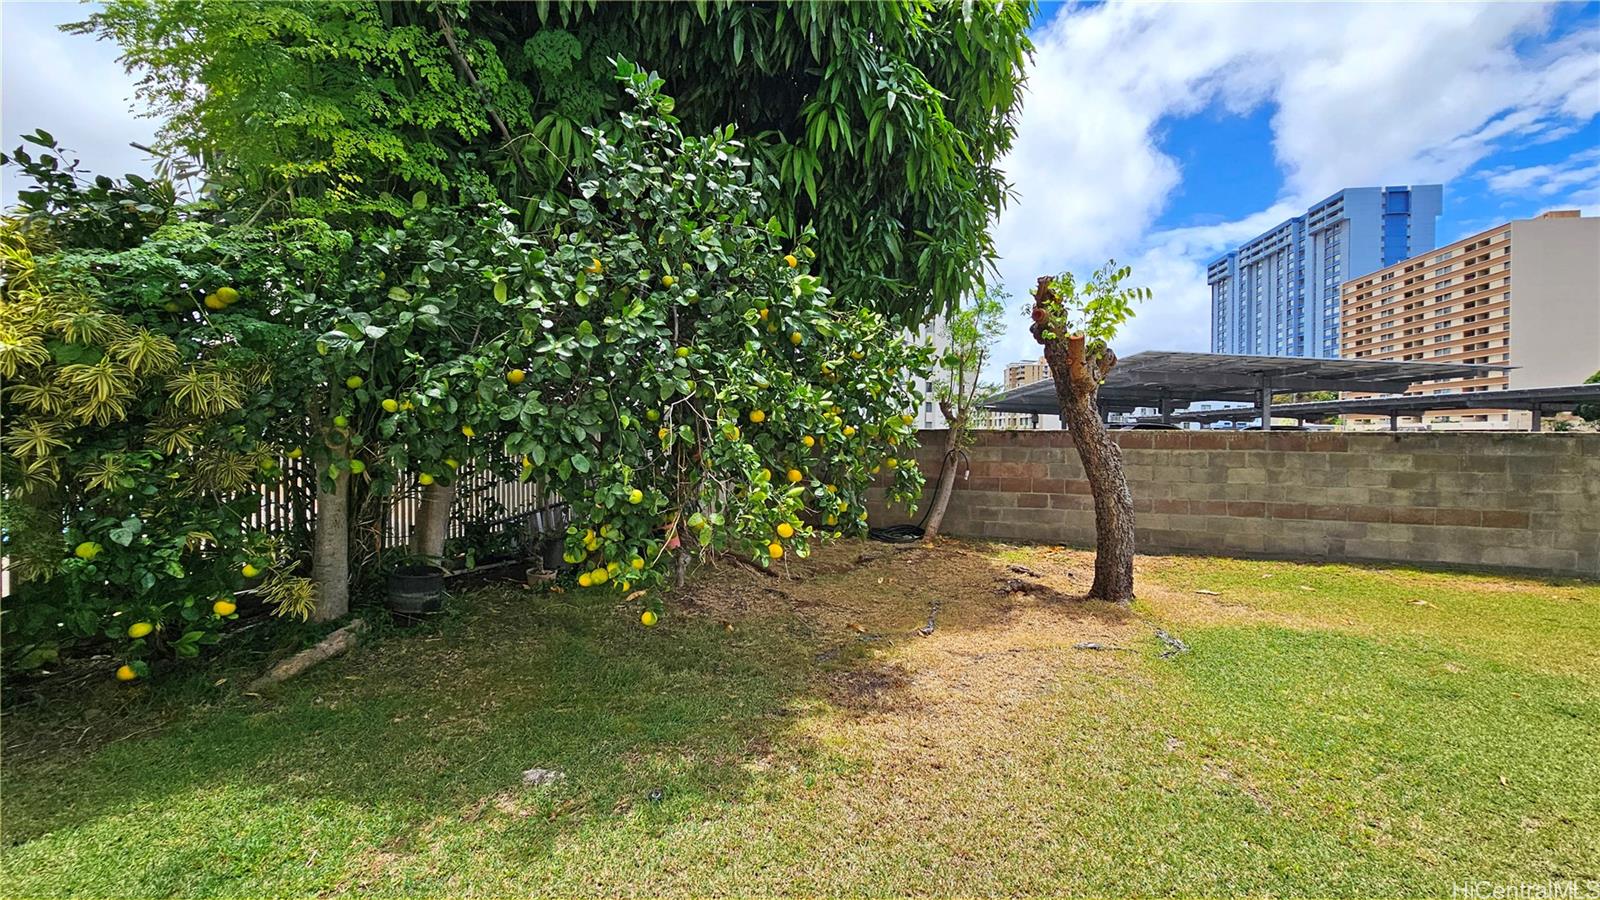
(415, 591)
(551, 554)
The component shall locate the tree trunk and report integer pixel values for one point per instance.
(330, 557)
(433, 520)
(947, 478)
(1077, 376)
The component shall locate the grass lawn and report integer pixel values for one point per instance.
(1332, 730)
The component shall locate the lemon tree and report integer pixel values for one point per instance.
(687, 385)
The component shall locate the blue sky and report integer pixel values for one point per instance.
(1158, 134)
(1162, 134)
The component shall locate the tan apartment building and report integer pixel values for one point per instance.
(1525, 293)
(1018, 374)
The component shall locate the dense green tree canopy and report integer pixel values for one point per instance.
(879, 124)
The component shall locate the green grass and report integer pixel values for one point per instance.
(1325, 735)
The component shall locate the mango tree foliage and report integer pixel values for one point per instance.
(881, 124)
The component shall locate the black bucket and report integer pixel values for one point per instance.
(415, 591)
(551, 553)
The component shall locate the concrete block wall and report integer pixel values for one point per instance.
(1527, 502)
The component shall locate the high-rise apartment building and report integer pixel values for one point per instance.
(1525, 293)
(1278, 294)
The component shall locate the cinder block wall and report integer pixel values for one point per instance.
(1501, 500)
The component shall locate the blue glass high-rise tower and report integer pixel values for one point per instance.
(1278, 294)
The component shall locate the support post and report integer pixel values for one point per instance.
(1394, 421)
(1166, 408)
(1538, 412)
(1266, 403)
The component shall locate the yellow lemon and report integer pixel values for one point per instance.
(681, 352)
(809, 441)
(126, 673)
(833, 489)
(249, 570)
(791, 261)
(227, 295)
(452, 463)
(599, 576)
(652, 415)
(140, 629)
(223, 607)
(648, 618)
(662, 434)
(785, 530)
(668, 281)
(86, 550)
(795, 338)
(515, 376)
(595, 268)
(214, 303)
(354, 381)
(757, 416)
(793, 475)
(891, 462)
(425, 479)
(849, 430)
(856, 354)
(584, 580)
(295, 453)
(763, 314)
(613, 568)
(467, 430)
(908, 418)
(775, 550)
(391, 406)
(636, 496)
(638, 564)
(832, 520)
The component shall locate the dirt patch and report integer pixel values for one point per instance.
(939, 656)
(868, 688)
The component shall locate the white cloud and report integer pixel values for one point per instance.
(1576, 180)
(71, 86)
(1363, 94)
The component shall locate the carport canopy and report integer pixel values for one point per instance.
(1165, 379)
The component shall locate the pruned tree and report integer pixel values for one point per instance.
(970, 334)
(1074, 321)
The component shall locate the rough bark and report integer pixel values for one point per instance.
(433, 520)
(330, 556)
(947, 474)
(1077, 375)
(327, 648)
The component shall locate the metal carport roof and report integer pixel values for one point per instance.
(1162, 379)
(1538, 400)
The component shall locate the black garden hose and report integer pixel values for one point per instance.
(910, 534)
